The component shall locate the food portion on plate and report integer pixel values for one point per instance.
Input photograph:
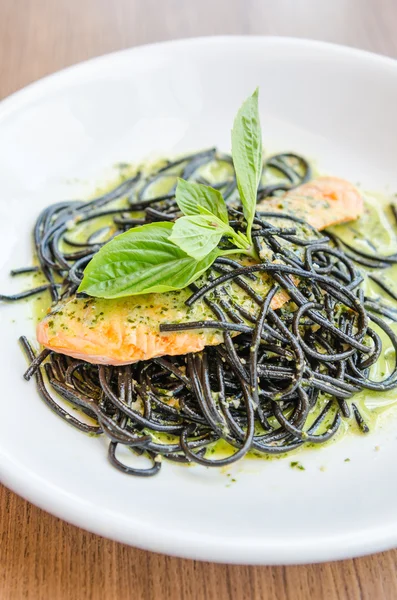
(216, 306)
(125, 330)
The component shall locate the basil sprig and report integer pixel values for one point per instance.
(161, 257)
(247, 156)
(201, 231)
(140, 261)
(197, 199)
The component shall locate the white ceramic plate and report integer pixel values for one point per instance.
(58, 139)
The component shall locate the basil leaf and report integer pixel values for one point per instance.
(141, 261)
(247, 155)
(198, 235)
(195, 198)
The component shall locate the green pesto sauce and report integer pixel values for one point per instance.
(373, 232)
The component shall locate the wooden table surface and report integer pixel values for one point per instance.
(42, 557)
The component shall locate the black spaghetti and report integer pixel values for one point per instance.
(282, 378)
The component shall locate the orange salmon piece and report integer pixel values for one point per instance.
(322, 202)
(126, 330)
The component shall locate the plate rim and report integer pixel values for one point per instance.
(204, 547)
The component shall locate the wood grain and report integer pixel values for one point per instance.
(42, 557)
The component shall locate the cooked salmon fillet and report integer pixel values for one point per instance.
(322, 202)
(126, 330)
